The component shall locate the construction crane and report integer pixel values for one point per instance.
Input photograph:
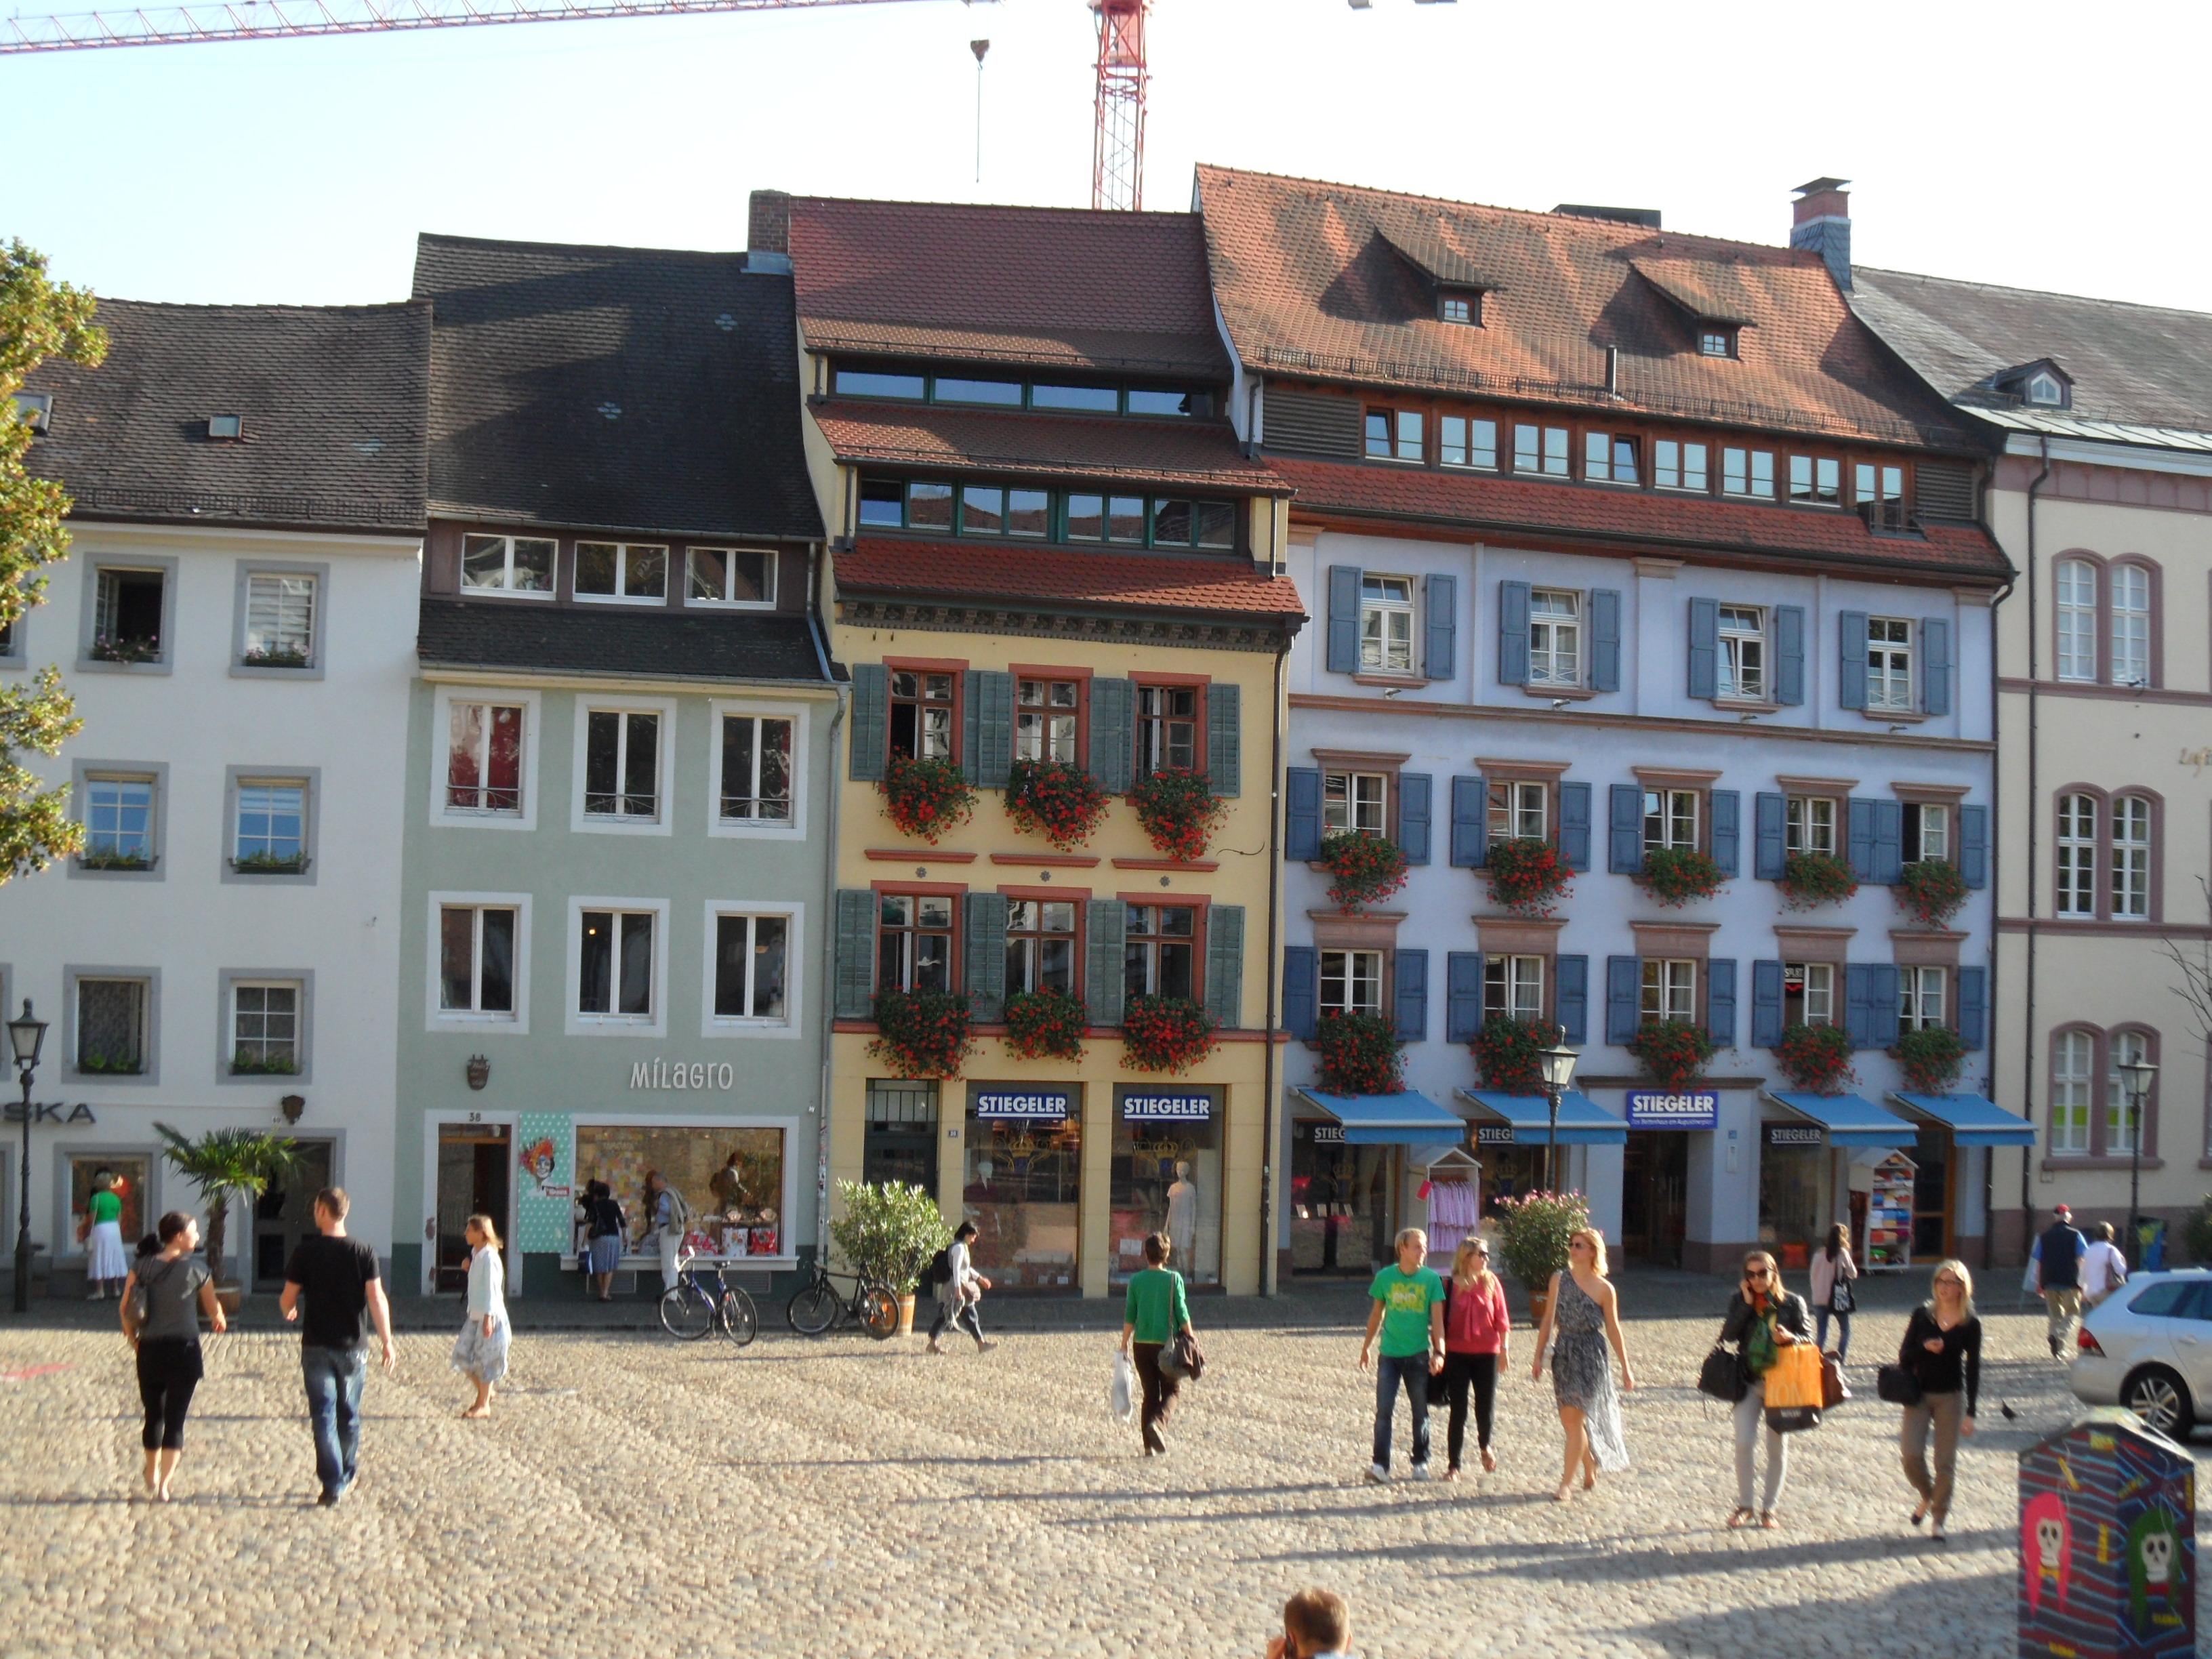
(1118, 151)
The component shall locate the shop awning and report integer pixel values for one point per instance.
(1972, 1120)
(1847, 1120)
(1582, 1121)
(1407, 1118)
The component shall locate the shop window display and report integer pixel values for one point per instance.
(731, 1178)
(1021, 1184)
(131, 1172)
(1344, 1201)
(1166, 1178)
(1789, 1182)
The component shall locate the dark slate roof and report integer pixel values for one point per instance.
(331, 399)
(616, 642)
(614, 388)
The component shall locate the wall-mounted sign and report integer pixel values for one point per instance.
(1652, 1108)
(1166, 1106)
(51, 1111)
(1796, 1134)
(998, 1105)
(1323, 1135)
(683, 1074)
(1493, 1134)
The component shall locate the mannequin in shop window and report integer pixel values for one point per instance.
(1183, 1215)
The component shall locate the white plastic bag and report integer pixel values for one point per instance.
(1121, 1391)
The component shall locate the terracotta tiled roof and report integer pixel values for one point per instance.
(1311, 280)
(1065, 577)
(1196, 453)
(1049, 286)
(1636, 520)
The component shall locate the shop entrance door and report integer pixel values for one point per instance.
(1344, 1202)
(1655, 1196)
(899, 1142)
(474, 1164)
(285, 1214)
(1931, 1195)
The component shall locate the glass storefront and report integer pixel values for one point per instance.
(1344, 1201)
(733, 1179)
(899, 1142)
(1167, 1179)
(1510, 1170)
(1793, 1165)
(1021, 1183)
(131, 1172)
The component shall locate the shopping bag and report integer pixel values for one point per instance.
(1795, 1379)
(1792, 1419)
(1121, 1391)
(1833, 1389)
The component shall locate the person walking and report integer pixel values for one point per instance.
(336, 1277)
(1764, 1317)
(667, 1219)
(2058, 1256)
(480, 1353)
(2103, 1269)
(1585, 1312)
(163, 1297)
(1152, 1314)
(1477, 1329)
(1942, 1351)
(1405, 1304)
(1316, 1624)
(1833, 1276)
(959, 1298)
(104, 1261)
(605, 1228)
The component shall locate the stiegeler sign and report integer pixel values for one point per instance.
(1650, 1109)
(1162, 1106)
(1023, 1105)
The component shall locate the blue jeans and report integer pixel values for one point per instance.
(1413, 1372)
(334, 1377)
(1820, 1316)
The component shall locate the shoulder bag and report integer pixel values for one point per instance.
(1181, 1358)
(1833, 1389)
(1896, 1385)
(1840, 1299)
(1720, 1377)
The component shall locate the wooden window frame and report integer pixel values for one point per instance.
(1543, 429)
(956, 974)
(957, 668)
(1814, 458)
(1199, 682)
(1681, 439)
(1199, 933)
(1082, 676)
(1078, 896)
(1393, 413)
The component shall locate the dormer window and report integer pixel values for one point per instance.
(1460, 305)
(35, 409)
(2044, 389)
(1716, 341)
(226, 427)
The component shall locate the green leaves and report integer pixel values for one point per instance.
(36, 827)
(888, 1231)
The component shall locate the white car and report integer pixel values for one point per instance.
(2149, 1346)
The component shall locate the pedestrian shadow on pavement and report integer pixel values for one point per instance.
(1934, 1616)
(932, 1462)
(1583, 1560)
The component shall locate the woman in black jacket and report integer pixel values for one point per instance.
(1943, 1351)
(1763, 1319)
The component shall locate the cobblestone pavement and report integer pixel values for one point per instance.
(842, 1497)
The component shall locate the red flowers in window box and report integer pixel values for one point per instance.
(1056, 799)
(925, 798)
(1675, 875)
(922, 1034)
(1362, 869)
(1933, 890)
(1812, 879)
(1931, 1057)
(1817, 1058)
(1526, 877)
(1178, 810)
(1508, 1050)
(1164, 1033)
(1045, 1025)
(1359, 1054)
(1673, 1052)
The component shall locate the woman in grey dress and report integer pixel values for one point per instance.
(1584, 1315)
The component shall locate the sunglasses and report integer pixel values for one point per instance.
(1755, 1272)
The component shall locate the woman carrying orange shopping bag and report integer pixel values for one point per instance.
(1763, 1320)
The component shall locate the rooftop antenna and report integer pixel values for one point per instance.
(981, 48)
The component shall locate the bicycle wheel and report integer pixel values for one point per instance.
(814, 1309)
(740, 1319)
(879, 1311)
(685, 1312)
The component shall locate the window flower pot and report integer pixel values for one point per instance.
(1527, 876)
(1362, 869)
(1359, 1054)
(1061, 802)
(1178, 810)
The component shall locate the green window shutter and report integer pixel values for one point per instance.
(987, 956)
(1106, 925)
(1223, 738)
(855, 967)
(988, 721)
(1225, 965)
(1113, 735)
(871, 715)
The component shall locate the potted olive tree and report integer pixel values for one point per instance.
(888, 1231)
(225, 1164)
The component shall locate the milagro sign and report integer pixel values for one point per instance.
(1654, 1109)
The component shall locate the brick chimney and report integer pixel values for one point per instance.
(1821, 220)
(769, 228)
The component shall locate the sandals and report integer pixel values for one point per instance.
(1739, 1519)
(1767, 1522)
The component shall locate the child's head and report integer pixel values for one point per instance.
(1315, 1621)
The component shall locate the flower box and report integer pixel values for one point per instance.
(1362, 869)
(1045, 1025)
(922, 1034)
(1178, 810)
(270, 864)
(1526, 877)
(1673, 1052)
(925, 798)
(1816, 1058)
(1056, 799)
(1509, 1050)
(1933, 890)
(1931, 1057)
(1812, 879)
(1164, 1033)
(1359, 1054)
(1675, 875)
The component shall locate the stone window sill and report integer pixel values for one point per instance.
(1379, 677)
(2062, 1161)
(1561, 693)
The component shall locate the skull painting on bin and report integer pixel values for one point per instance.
(2155, 1568)
(2047, 1546)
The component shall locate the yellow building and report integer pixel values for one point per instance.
(1051, 572)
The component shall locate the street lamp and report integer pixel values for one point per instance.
(26, 1037)
(1558, 1065)
(2136, 1077)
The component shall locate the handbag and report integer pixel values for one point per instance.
(1833, 1389)
(1182, 1360)
(1840, 1297)
(1792, 1419)
(1720, 1377)
(1795, 1379)
(1896, 1385)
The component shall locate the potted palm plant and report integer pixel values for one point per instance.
(225, 1164)
(889, 1231)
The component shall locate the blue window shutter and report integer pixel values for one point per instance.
(1720, 1000)
(1440, 626)
(1888, 842)
(1790, 655)
(1412, 995)
(872, 714)
(1573, 1004)
(1575, 825)
(1881, 1005)
(1973, 1005)
(1301, 991)
(1974, 845)
(1414, 792)
(855, 969)
(1936, 666)
(1224, 738)
(1225, 965)
(1113, 735)
(1766, 1005)
(1301, 814)
(1770, 830)
(1513, 633)
(1470, 820)
(1704, 648)
(1462, 996)
(1858, 994)
(1625, 854)
(1343, 619)
(1859, 836)
(1605, 639)
(1106, 927)
(1851, 684)
(988, 751)
(1727, 831)
(1624, 998)
(986, 922)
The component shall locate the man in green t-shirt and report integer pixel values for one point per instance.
(1408, 1308)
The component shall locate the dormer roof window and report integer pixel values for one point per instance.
(1460, 305)
(1716, 340)
(2040, 385)
(226, 428)
(35, 409)
(2044, 389)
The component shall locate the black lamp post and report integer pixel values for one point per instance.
(1558, 1064)
(26, 1037)
(2136, 1077)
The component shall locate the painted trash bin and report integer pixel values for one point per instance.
(2107, 1543)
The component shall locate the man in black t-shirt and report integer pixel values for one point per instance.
(338, 1278)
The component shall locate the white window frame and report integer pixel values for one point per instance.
(2075, 593)
(1672, 989)
(232, 1042)
(1747, 474)
(233, 825)
(1471, 444)
(2044, 390)
(1552, 450)
(2119, 1047)
(663, 821)
(1923, 998)
(1934, 838)
(2073, 1093)
(2074, 868)
(741, 828)
(1801, 830)
(318, 580)
(1365, 803)
(1669, 801)
(768, 554)
(794, 915)
(1673, 455)
(1810, 975)
(441, 726)
(1357, 969)
(440, 1018)
(2129, 634)
(578, 1023)
(1889, 687)
(1544, 659)
(1386, 624)
(1046, 715)
(2130, 858)
(505, 588)
(1523, 981)
(622, 595)
(93, 777)
(1743, 673)
(1602, 462)
(1524, 799)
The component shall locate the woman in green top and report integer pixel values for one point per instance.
(104, 1262)
(1156, 1310)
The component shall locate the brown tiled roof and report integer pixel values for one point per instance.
(1311, 280)
(1634, 520)
(1194, 452)
(1064, 577)
(1054, 286)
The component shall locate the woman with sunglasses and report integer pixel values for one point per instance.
(1586, 1313)
(1943, 1351)
(1476, 1326)
(1764, 1317)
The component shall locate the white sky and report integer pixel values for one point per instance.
(2044, 146)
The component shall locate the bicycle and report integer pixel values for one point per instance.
(817, 1308)
(691, 1311)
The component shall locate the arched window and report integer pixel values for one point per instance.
(2077, 620)
(2121, 1047)
(2077, 855)
(2132, 858)
(2131, 610)
(2072, 1062)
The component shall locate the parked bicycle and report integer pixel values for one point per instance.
(817, 1308)
(694, 1309)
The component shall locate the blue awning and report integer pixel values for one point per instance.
(1407, 1118)
(1582, 1122)
(1972, 1120)
(1847, 1120)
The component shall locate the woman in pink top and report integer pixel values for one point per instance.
(1476, 1327)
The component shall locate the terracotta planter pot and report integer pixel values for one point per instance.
(1540, 1304)
(227, 1297)
(905, 1315)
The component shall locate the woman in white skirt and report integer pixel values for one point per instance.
(480, 1355)
(104, 1261)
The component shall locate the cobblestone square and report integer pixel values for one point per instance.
(843, 1498)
